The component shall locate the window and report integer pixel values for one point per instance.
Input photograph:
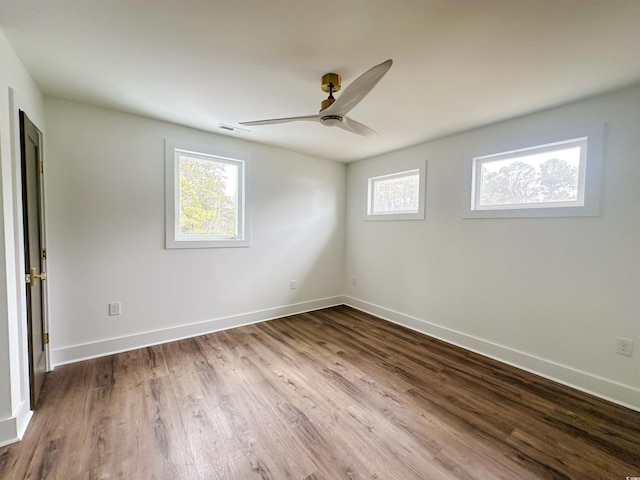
(559, 178)
(206, 198)
(396, 196)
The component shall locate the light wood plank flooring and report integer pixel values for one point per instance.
(333, 394)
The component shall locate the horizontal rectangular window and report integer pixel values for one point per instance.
(205, 199)
(543, 176)
(558, 178)
(396, 193)
(396, 196)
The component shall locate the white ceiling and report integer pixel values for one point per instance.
(458, 64)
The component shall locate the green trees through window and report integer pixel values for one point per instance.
(555, 180)
(396, 194)
(550, 175)
(206, 200)
(208, 197)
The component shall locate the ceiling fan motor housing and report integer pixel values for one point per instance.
(331, 120)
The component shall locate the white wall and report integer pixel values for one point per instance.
(547, 294)
(105, 203)
(17, 91)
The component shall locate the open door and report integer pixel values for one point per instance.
(34, 252)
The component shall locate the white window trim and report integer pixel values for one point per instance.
(588, 203)
(173, 239)
(419, 215)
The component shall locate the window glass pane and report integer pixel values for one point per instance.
(208, 197)
(540, 176)
(397, 194)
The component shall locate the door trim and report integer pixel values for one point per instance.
(16, 370)
(15, 105)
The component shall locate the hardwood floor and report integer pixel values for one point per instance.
(333, 394)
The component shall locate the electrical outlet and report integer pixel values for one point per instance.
(292, 284)
(624, 346)
(354, 281)
(115, 308)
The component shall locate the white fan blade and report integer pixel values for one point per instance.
(352, 126)
(357, 90)
(308, 118)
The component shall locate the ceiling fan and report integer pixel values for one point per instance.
(333, 111)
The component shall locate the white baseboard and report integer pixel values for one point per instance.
(620, 394)
(12, 429)
(100, 348)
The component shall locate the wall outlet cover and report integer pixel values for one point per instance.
(115, 308)
(624, 346)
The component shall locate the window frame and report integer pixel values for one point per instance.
(589, 177)
(173, 237)
(403, 215)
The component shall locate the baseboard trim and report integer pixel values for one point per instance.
(12, 429)
(100, 348)
(620, 394)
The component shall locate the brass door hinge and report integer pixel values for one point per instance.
(31, 277)
(45, 338)
(41, 167)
